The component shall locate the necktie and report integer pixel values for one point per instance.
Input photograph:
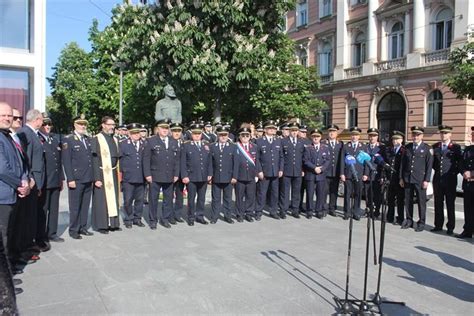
(354, 145)
(41, 138)
(221, 146)
(270, 140)
(83, 141)
(135, 144)
(415, 147)
(332, 144)
(444, 147)
(246, 147)
(198, 144)
(317, 148)
(165, 142)
(294, 141)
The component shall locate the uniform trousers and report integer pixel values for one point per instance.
(221, 200)
(178, 199)
(48, 213)
(352, 188)
(133, 195)
(245, 198)
(395, 196)
(444, 190)
(267, 185)
(291, 200)
(410, 190)
(332, 191)
(79, 203)
(319, 188)
(196, 209)
(167, 205)
(469, 211)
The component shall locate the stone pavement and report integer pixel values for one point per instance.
(292, 266)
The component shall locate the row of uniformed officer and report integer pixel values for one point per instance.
(467, 170)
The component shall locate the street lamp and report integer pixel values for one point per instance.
(120, 65)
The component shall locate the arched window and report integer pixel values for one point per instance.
(325, 59)
(396, 41)
(352, 111)
(434, 109)
(359, 50)
(443, 29)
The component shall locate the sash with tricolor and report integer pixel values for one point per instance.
(245, 153)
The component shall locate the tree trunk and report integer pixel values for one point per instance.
(217, 109)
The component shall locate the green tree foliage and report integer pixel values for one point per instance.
(461, 78)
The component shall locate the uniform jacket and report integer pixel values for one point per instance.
(209, 137)
(223, 162)
(131, 161)
(270, 156)
(468, 165)
(380, 149)
(196, 163)
(53, 166)
(446, 164)
(77, 159)
(160, 163)
(292, 157)
(11, 170)
(394, 159)
(34, 152)
(416, 166)
(243, 169)
(335, 154)
(348, 149)
(316, 158)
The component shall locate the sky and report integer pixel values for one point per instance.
(70, 20)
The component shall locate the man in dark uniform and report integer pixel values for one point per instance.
(231, 135)
(333, 174)
(271, 160)
(317, 161)
(246, 168)
(196, 171)
(49, 198)
(415, 174)
(223, 154)
(467, 170)
(207, 134)
(447, 156)
(395, 194)
(373, 194)
(133, 179)
(178, 187)
(351, 186)
(303, 137)
(122, 132)
(77, 163)
(285, 130)
(260, 130)
(293, 149)
(105, 192)
(161, 168)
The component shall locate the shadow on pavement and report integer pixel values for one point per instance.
(450, 259)
(434, 279)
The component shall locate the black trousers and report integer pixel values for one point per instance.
(332, 191)
(7, 291)
(469, 211)
(133, 195)
(302, 202)
(319, 188)
(291, 200)
(245, 196)
(16, 243)
(374, 196)
(178, 199)
(48, 214)
(263, 187)
(31, 220)
(221, 200)
(444, 191)
(196, 210)
(79, 204)
(6, 213)
(395, 196)
(410, 190)
(167, 204)
(350, 188)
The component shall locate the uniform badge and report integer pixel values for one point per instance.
(64, 146)
(76, 138)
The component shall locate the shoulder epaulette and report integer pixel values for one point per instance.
(186, 142)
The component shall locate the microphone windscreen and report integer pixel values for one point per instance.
(350, 160)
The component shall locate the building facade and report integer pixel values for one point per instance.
(382, 62)
(22, 53)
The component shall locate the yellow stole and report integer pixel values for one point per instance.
(107, 171)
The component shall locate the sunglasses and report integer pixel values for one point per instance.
(244, 135)
(47, 124)
(17, 118)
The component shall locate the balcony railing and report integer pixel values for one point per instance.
(391, 65)
(353, 72)
(436, 57)
(325, 79)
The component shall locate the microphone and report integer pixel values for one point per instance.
(351, 161)
(381, 162)
(364, 158)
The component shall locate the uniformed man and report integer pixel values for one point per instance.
(271, 160)
(447, 156)
(196, 171)
(143, 132)
(223, 154)
(49, 198)
(395, 194)
(467, 170)
(122, 132)
(246, 168)
(317, 161)
(207, 133)
(260, 130)
(77, 163)
(333, 174)
(285, 130)
(303, 137)
(415, 174)
(373, 194)
(133, 179)
(293, 149)
(231, 135)
(352, 187)
(161, 169)
(177, 134)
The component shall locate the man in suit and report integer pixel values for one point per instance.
(271, 160)
(223, 178)
(293, 149)
(415, 174)
(178, 187)
(395, 194)
(196, 171)
(133, 179)
(333, 174)
(373, 193)
(317, 161)
(53, 184)
(352, 183)
(447, 157)
(28, 134)
(161, 168)
(77, 164)
(467, 170)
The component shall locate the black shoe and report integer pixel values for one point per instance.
(17, 282)
(115, 229)
(44, 246)
(346, 216)
(249, 218)
(356, 217)
(319, 215)
(18, 291)
(213, 221)
(179, 220)
(464, 235)
(128, 226)
(282, 215)
(332, 213)
(76, 236)
(85, 232)
(420, 228)
(228, 220)
(103, 231)
(16, 271)
(309, 215)
(450, 232)
(407, 224)
(202, 221)
(275, 216)
(240, 219)
(165, 224)
(139, 224)
(258, 218)
(376, 214)
(190, 223)
(296, 214)
(436, 229)
(172, 221)
(153, 227)
(56, 239)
